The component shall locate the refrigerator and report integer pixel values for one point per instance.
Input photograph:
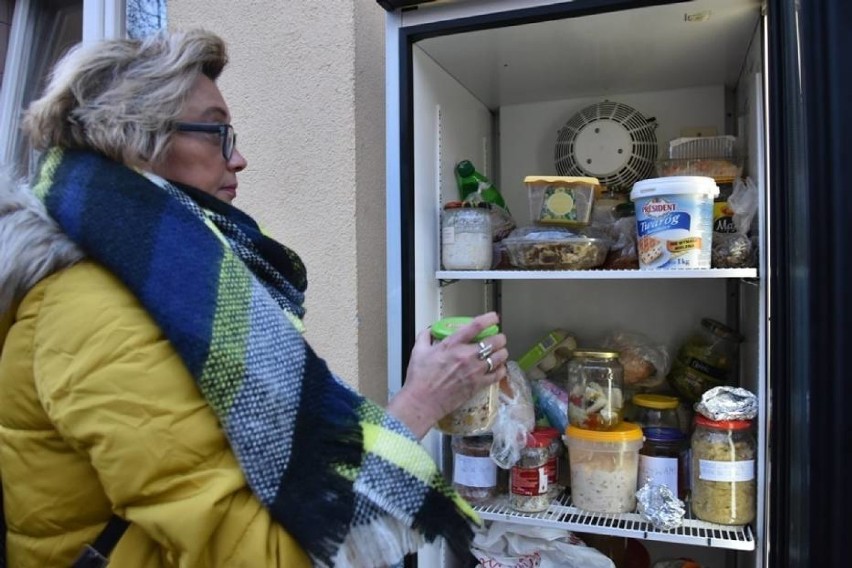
(498, 82)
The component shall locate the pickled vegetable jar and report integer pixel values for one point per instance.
(706, 360)
(724, 487)
(476, 415)
(595, 389)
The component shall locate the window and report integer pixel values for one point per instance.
(145, 17)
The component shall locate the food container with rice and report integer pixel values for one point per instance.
(718, 157)
(554, 248)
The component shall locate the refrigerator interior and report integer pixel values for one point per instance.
(499, 97)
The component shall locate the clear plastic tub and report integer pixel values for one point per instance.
(540, 248)
(604, 467)
(559, 200)
(718, 157)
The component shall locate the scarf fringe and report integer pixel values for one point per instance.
(383, 542)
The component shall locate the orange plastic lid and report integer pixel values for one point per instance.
(722, 424)
(621, 432)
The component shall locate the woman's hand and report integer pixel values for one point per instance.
(443, 375)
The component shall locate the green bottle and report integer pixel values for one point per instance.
(471, 181)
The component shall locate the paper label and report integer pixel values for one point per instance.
(529, 482)
(474, 472)
(448, 235)
(709, 470)
(661, 471)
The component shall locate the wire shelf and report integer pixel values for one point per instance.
(563, 515)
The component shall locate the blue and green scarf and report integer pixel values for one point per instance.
(346, 480)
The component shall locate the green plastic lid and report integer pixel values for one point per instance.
(444, 328)
(465, 168)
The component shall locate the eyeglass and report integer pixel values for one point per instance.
(225, 131)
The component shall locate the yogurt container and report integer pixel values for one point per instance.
(674, 221)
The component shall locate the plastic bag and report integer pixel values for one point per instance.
(515, 418)
(506, 545)
(736, 250)
(551, 402)
(645, 364)
(623, 254)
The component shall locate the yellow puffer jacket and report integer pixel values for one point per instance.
(98, 415)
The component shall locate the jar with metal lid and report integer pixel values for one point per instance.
(474, 472)
(656, 411)
(724, 486)
(706, 360)
(555, 449)
(595, 389)
(528, 488)
(466, 241)
(475, 415)
(663, 459)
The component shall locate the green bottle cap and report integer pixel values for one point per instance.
(444, 328)
(465, 168)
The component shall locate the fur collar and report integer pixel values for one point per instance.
(32, 246)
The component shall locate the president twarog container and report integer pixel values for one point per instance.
(674, 221)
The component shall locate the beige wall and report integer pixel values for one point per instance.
(306, 90)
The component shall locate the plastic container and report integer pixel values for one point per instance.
(604, 467)
(595, 389)
(559, 200)
(663, 459)
(477, 414)
(466, 242)
(656, 411)
(540, 248)
(474, 472)
(529, 490)
(674, 221)
(724, 488)
(707, 359)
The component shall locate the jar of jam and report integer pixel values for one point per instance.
(656, 411)
(474, 472)
(724, 488)
(466, 242)
(663, 459)
(528, 487)
(595, 389)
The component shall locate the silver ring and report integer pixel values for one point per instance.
(485, 349)
(490, 365)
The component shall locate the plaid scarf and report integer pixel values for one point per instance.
(346, 480)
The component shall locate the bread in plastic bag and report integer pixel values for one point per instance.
(515, 418)
(736, 250)
(645, 363)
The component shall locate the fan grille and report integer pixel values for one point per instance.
(634, 162)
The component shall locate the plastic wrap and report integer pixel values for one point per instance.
(735, 250)
(515, 418)
(551, 402)
(505, 545)
(645, 363)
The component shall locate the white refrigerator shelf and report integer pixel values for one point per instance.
(595, 274)
(562, 515)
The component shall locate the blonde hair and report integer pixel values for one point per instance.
(121, 97)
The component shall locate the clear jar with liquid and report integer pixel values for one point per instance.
(595, 389)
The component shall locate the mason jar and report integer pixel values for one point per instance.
(466, 236)
(595, 389)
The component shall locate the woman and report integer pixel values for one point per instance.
(152, 345)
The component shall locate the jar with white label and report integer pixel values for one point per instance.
(474, 472)
(466, 242)
(724, 487)
(528, 487)
(663, 459)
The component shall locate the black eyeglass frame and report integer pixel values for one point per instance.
(224, 130)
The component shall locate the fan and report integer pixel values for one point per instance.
(610, 141)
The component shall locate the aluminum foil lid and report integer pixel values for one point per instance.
(727, 403)
(659, 506)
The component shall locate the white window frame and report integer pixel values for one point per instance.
(102, 19)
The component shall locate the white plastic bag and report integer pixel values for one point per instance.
(506, 545)
(515, 418)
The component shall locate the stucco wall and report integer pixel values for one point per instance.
(305, 86)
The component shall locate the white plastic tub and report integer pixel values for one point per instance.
(674, 221)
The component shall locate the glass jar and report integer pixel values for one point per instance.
(466, 236)
(656, 411)
(706, 360)
(528, 488)
(474, 472)
(475, 416)
(724, 487)
(555, 449)
(595, 389)
(663, 459)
